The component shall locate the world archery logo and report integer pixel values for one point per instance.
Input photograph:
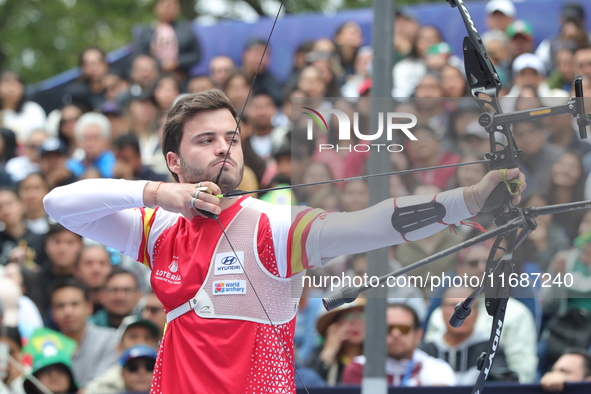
(223, 287)
(387, 122)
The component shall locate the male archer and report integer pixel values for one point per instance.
(230, 308)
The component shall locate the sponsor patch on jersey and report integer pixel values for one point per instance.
(226, 287)
(229, 263)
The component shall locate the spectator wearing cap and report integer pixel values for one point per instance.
(521, 38)
(529, 71)
(572, 35)
(93, 134)
(253, 59)
(12, 382)
(51, 354)
(133, 331)
(406, 365)
(129, 161)
(343, 330)
(499, 14)
(137, 368)
(169, 40)
(97, 346)
(53, 157)
(20, 166)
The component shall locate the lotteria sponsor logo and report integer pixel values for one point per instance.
(223, 287)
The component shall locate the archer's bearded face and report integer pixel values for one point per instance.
(207, 138)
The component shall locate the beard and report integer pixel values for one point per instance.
(226, 182)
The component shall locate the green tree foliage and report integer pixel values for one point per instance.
(41, 38)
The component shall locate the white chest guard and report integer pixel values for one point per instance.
(227, 293)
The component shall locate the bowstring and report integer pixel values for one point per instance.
(275, 329)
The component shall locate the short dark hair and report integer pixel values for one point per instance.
(586, 358)
(62, 283)
(121, 271)
(415, 317)
(128, 140)
(55, 228)
(185, 109)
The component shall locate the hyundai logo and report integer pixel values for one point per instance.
(228, 260)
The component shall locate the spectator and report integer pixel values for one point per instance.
(144, 72)
(521, 38)
(18, 114)
(129, 161)
(137, 368)
(237, 88)
(17, 242)
(406, 365)
(265, 82)
(426, 152)
(460, 347)
(499, 14)
(115, 114)
(343, 330)
(154, 311)
(61, 248)
(119, 298)
(70, 114)
(114, 84)
(51, 354)
(529, 71)
(92, 266)
(20, 166)
(14, 379)
(31, 190)
(97, 346)
(53, 157)
(93, 134)
(348, 39)
(573, 366)
(166, 90)
(19, 310)
(408, 72)
(173, 43)
(89, 88)
(199, 84)
(134, 332)
(220, 69)
(572, 32)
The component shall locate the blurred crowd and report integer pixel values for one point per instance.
(77, 316)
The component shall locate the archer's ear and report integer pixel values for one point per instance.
(173, 162)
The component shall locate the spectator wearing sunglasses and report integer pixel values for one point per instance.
(138, 367)
(406, 365)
